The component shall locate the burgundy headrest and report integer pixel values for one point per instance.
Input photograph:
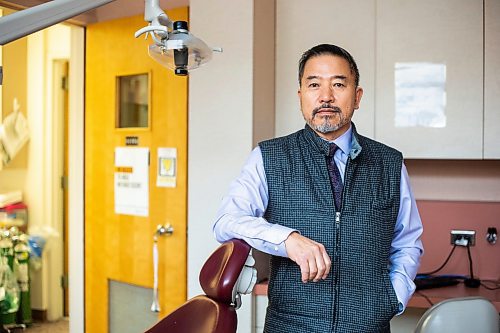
(222, 269)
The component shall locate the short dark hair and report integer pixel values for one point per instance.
(331, 50)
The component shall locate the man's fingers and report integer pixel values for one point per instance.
(313, 269)
(328, 264)
(304, 270)
(311, 257)
(321, 268)
(322, 263)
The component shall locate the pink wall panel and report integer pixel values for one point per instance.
(439, 217)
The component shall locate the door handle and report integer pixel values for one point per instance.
(161, 229)
(164, 229)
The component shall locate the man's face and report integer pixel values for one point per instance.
(328, 95)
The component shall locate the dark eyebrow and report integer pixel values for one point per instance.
(312, 77)
(337, 77)
(340, 77)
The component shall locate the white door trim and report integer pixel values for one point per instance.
(76, 198)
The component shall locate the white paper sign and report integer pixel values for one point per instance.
(132, 181)
(167, 167)
(420, 94)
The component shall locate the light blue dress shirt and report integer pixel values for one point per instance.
(241, 216)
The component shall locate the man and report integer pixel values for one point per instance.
(333, 208)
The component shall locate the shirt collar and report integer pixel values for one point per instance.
(344, 142)
(347, 142)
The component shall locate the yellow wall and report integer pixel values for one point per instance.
(14, 62)
(37, 169)
(119, 247)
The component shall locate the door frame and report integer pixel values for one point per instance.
(76, 198)
(59, 189)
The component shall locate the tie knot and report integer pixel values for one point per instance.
(333, 147)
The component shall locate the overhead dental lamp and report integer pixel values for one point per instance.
(174, 46)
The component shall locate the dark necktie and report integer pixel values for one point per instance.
(335, 178)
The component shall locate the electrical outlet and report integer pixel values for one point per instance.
(463, 237)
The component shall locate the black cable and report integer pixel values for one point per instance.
(424, 296)
(471, 282)
(488, 287)
(470, 262)
(444, 264)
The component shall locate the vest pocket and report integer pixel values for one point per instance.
(384, 205)
(364, 308)
(391, 294)
(383, 216)
(289, 296)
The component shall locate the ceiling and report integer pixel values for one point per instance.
(113, 10)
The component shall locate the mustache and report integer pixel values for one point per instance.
(333, 108)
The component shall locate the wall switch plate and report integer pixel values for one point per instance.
(463, 237)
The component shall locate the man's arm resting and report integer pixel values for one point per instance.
(241, 216)
(256, 231)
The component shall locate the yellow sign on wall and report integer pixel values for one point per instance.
(167, 165)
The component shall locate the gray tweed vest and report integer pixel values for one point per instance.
(358, 295)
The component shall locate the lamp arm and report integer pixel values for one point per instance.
(27, 21)
(159, 30)
(155, 15)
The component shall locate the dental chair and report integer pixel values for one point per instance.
(226, 275)
(460, 315)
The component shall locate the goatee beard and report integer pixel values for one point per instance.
(327, 125)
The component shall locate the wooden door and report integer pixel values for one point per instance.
(119, 247)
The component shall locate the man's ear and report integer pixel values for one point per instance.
(300, 99)
(359, 94)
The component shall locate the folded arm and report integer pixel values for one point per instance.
(241, 212)
(241, 216)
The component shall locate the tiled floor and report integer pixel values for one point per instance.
(60, 326)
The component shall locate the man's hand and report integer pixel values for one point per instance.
(311, 256)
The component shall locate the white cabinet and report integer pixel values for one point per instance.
(429, 77)
(492, 80)
(443, 57)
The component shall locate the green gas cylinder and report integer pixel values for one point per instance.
(9, 290)
(21, 264)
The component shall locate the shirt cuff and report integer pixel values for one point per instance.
(276, 249)
(401, 309)
(402, 293)
(279, 249)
